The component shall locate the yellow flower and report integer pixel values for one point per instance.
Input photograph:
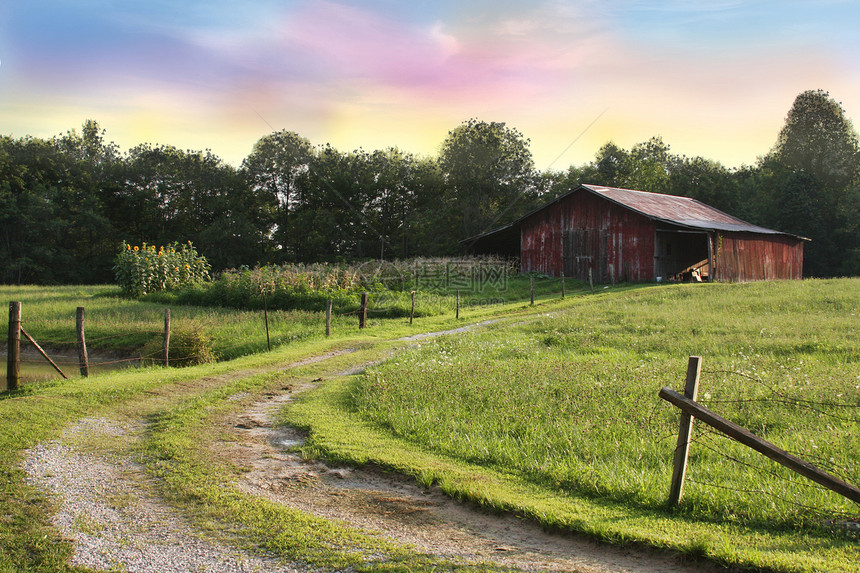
(128, 247)
(175, 268)
(160, 253)
(135, 248)
(187, 267)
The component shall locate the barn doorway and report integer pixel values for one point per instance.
(681, 255)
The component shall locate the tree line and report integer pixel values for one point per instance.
(67, 203)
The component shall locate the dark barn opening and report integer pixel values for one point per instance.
(681, 255)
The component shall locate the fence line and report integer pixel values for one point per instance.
(692, 409)
(80, 341)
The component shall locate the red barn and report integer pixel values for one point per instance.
(626, 235)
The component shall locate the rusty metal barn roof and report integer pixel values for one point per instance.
(669, 209)
(682, 211)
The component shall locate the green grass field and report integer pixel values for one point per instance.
(565, 407)
(569, 400)
(134, 328)
(550, 412)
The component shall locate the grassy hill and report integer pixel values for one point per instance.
(550, 412)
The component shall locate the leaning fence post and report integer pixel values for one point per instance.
(764, 447)
(13, 349)
(328, 318)
(362, 313)
(82, 342)
(43, 353)
(165, 348)
(682, 449)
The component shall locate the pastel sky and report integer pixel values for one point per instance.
(712, 77)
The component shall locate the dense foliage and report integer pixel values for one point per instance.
(67, 201)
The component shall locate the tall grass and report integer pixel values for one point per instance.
(569, 401)
(213, 326)
(131, 328)
(309, 287)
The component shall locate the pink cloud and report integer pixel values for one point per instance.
(350, 43)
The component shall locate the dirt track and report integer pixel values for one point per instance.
(116, 520)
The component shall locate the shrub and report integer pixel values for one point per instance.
(188, 346)
(144, 269)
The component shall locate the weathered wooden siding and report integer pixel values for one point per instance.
(584, 231)
(741, 257)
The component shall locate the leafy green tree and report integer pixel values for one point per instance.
(27, 226)
(706, 180)
(170, 195)
(276, 167)
(488, 170)
(819, 139)
(812, 181)
(645, 167)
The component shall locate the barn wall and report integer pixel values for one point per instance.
(741, 257)
(610, 240)
(540, 242)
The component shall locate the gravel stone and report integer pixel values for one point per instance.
(107, 510)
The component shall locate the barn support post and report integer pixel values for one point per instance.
(82, 342)
(710, 257)
(685, 431)
(13, 349)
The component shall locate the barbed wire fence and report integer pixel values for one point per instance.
(778, 487)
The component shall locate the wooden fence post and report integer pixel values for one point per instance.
(362, 313)
(412, 312)
(266, 318)
(328, 318)
(82, 343)
(458, 305)
(682, 449)
(764, 447)
(532, 290)
(591, 279)
(165, 348)
(13, 349)
(562, 283)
